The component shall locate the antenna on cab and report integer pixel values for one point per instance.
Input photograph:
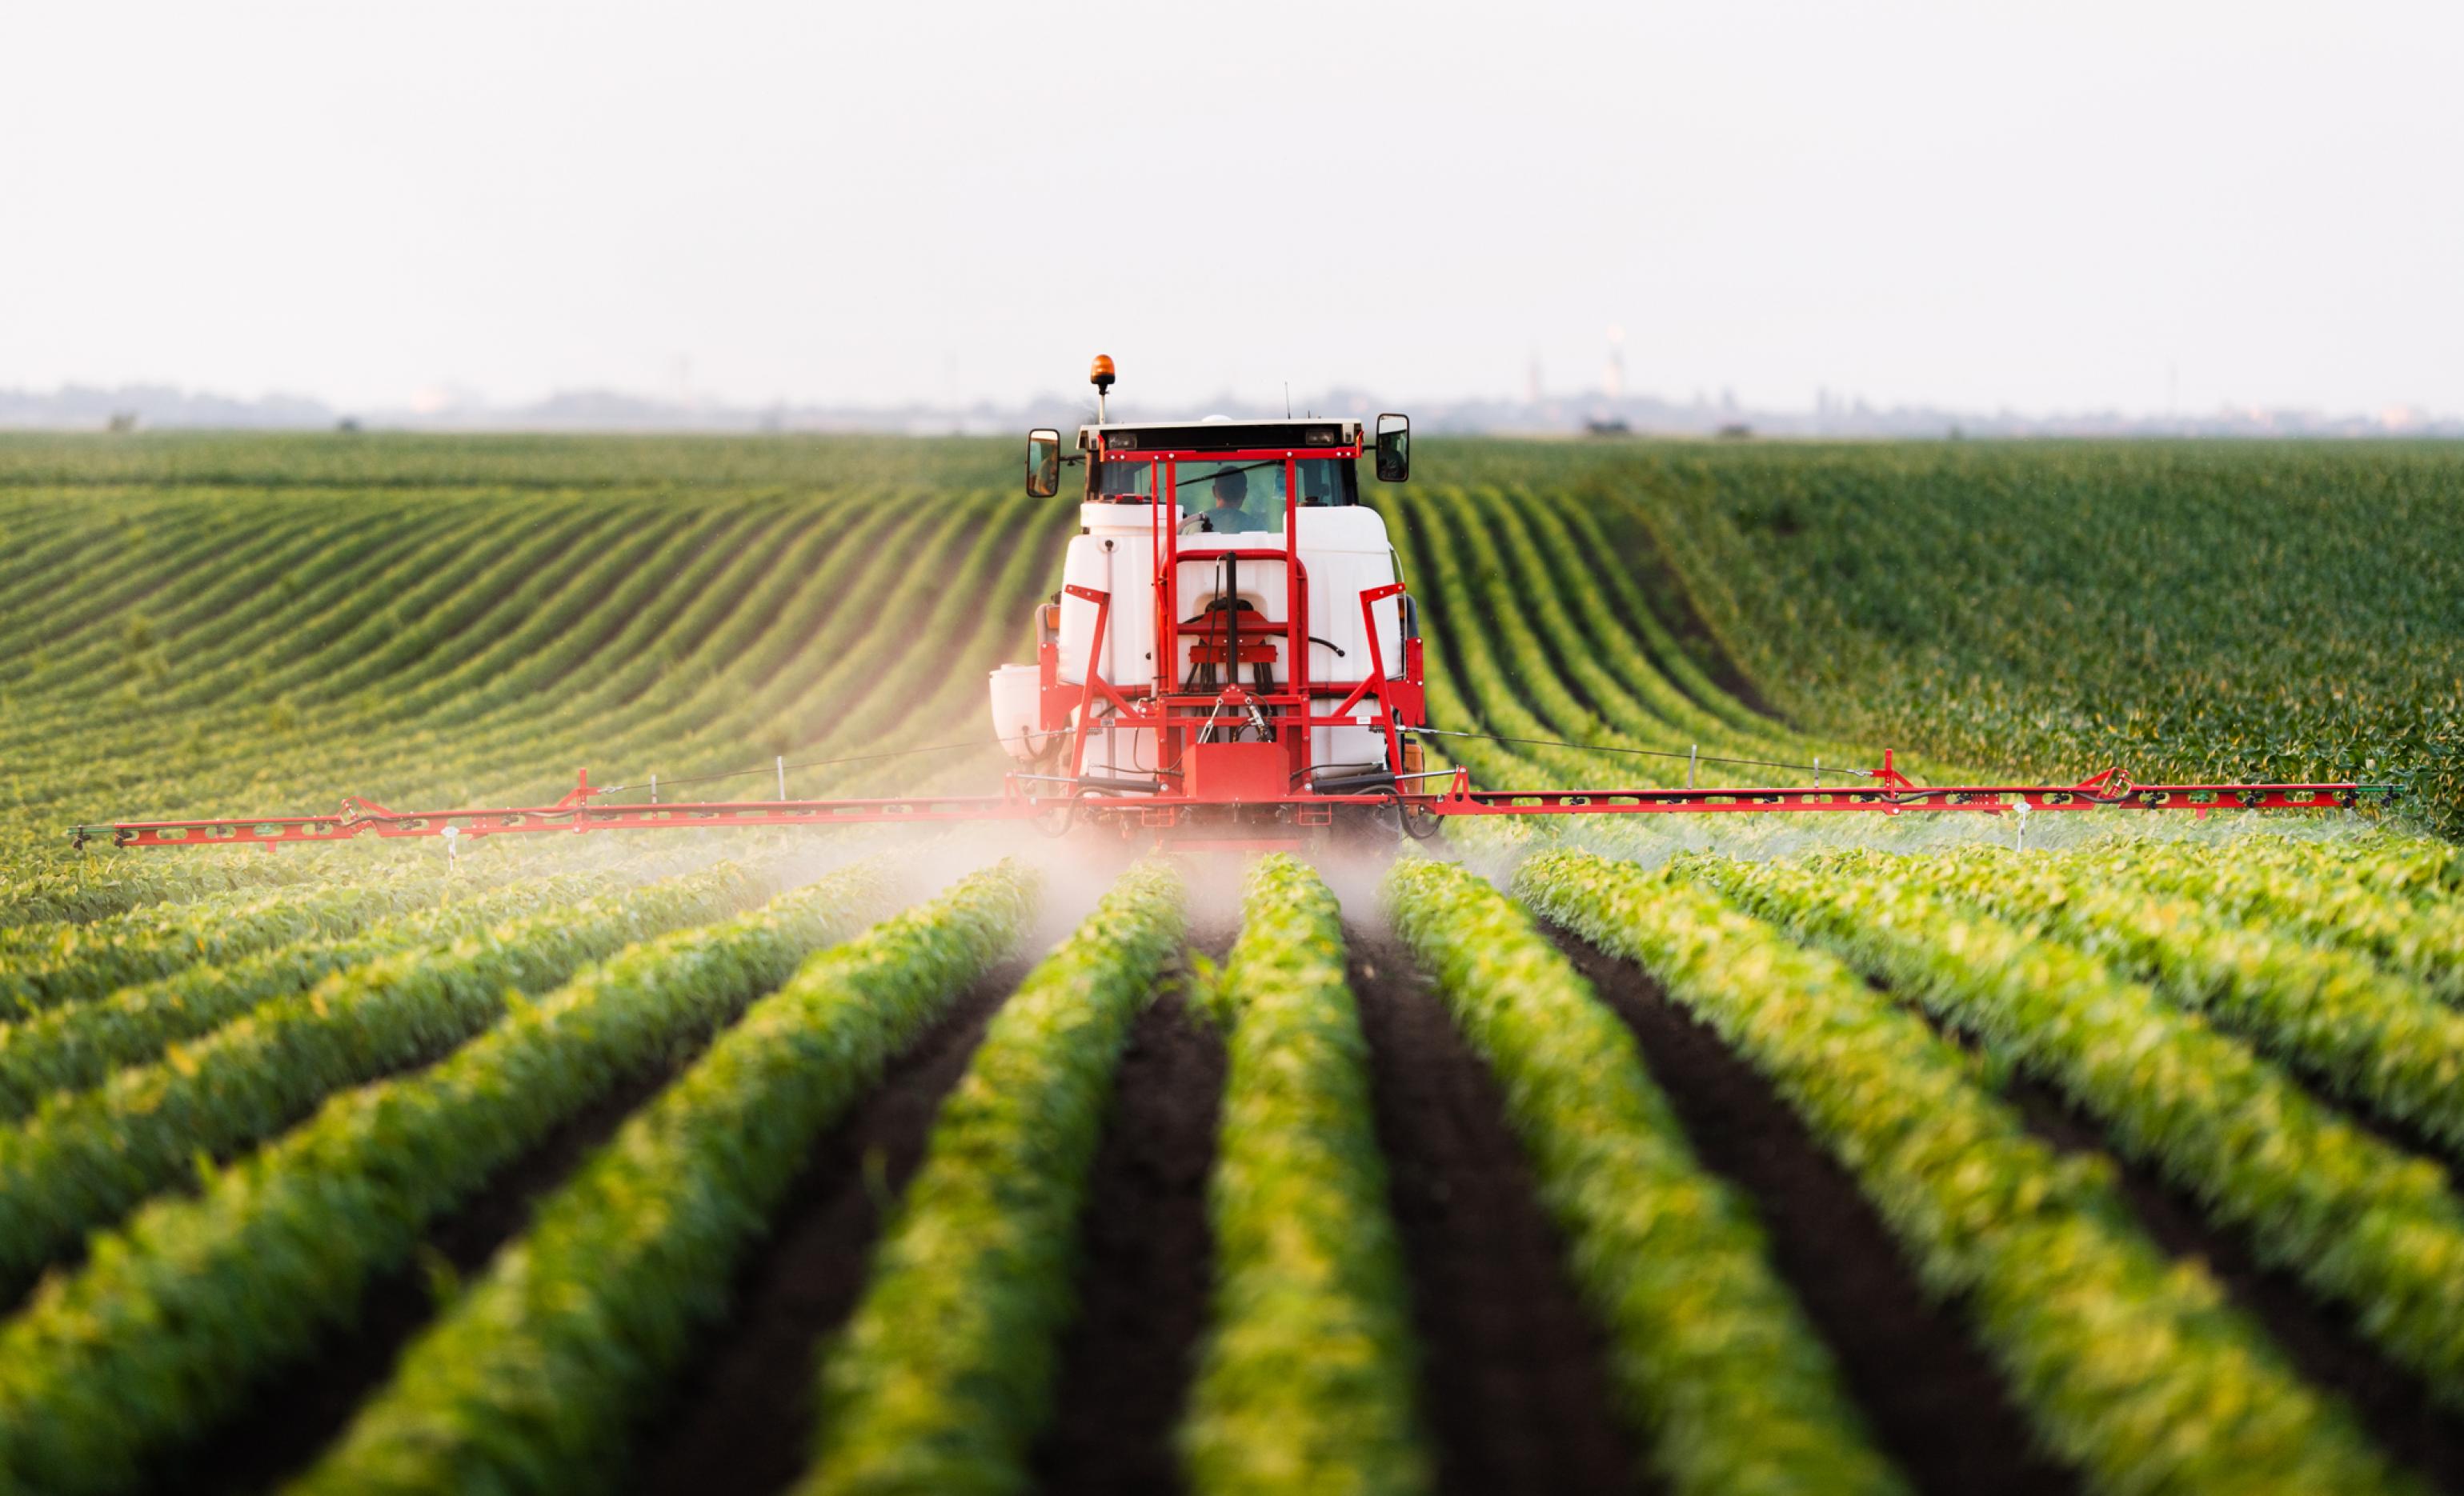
(1101, 377)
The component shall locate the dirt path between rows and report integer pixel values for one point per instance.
(1146, 1263)
(742, 1420)
(1933, 1399)
(1514, 1386)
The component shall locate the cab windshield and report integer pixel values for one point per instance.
(1325, 482)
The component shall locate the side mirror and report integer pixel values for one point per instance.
(1043, 462)
(1394, 447)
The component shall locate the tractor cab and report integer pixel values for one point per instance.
(1231, 640)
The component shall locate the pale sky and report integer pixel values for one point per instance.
(2049, 208)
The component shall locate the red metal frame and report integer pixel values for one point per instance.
(1205, 787)
(1020, 801)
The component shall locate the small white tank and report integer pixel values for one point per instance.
(1018, 712)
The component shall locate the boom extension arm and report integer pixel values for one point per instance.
(1026, 798)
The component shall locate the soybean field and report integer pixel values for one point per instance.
(1663, 1154)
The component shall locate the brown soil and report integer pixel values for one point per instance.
(1934, 1400)
(1513, 1377)
(2319, 1339)
(742, 1420)
(1145, 1265)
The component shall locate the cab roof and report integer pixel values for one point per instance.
(1218, 436)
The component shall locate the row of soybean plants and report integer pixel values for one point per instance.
(1519, 585)
(89, 999)
(2195, 1069)
(47, 883)
(2397, 899)
(47, 966)
(343, 542)
(434, 691)
(208, 1291)
(2130, 1365)
(96, 1139)
(944, 1374)
(368, 616)
(1306, 1379)
(394, 650)
(394, 632)
(1544, 590)
(801, 679)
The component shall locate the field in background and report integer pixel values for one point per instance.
(2289, 611)
(1867, 1156)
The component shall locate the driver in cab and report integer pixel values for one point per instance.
(1229, 515)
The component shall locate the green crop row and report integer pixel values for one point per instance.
(46, 967)
(2391, 898)
(82, 1160)
(533, 1379)
(71, 1048)
(1306, 1380)
(714, 709)
(2129, 1366)
(1729, 1388)
(2354, 1217)
(240, 652)
(198, 631)
(385, 650)
(943, 1377)
(1489, 696)
(2376, 1040)
(50, 886)
(176, 1317)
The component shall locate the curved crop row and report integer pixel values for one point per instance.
(65, 892)
(241, 603)
(47, 969)
(2130, 1366)
(2354, 1217)
(2391, 898)
(245, 582)
(70, 1049)
(1601, 583)
(943, 1376)
(201, 683)
(738, 716)
(82, 1160)
(143, 648)
(1306, 1381)
(410, 630)
(708, 725)
(532, 1380)
(146, 561)
(511, 747)
(1493, 695)
(1611, 667)
(236, 651)
(200, 1298)
(1721, 1375)
(2376, 1040)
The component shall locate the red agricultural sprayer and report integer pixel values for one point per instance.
(1232, 658)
